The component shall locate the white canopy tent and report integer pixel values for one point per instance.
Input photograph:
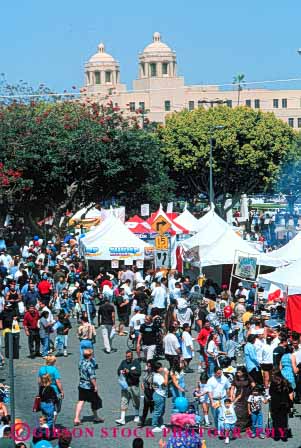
(287, 278)
(290, 252)
(112, 240)
(188, 221)
(90, 214)
(216, 243)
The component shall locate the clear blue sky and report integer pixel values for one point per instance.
(49, 41)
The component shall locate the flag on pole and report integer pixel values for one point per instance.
(275, 293)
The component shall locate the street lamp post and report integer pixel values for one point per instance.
(211, 192)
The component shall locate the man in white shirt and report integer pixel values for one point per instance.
(259, 344)
(137, 320)
(159, 296)
(6, 258)
(171, 346)
(219, 389)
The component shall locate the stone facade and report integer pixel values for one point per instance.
(159, 91)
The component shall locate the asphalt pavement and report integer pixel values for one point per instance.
(108, 434)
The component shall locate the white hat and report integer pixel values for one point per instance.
(140, 285)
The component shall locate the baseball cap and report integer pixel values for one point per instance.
(140, 285)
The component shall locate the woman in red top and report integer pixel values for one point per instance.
(45, 289)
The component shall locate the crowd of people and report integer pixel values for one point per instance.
(247, 375)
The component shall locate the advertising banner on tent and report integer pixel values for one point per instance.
(115, 253)
(144, 210)
(246, 267)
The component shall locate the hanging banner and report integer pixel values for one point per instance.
(128, 262)
(139, 264)
(162, 259)
(246, 267)
(114, 264)
(169, 207)
(161, 242)
(144, 210)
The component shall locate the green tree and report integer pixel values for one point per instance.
(238, 81)
(70, 154)
(247, 153)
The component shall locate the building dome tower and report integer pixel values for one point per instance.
(102, 73)
(157, 60)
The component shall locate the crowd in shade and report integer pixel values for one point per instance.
(246, 374)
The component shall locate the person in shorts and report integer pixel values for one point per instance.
(88, 390)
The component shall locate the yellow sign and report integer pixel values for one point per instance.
(161, 225)
(161, 242)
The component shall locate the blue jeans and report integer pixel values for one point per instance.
(211, 366)
(48, 410)
(226, 330)
(45, 345)
(257, 422)
(59, 342)
(159, 409)
(216, 416)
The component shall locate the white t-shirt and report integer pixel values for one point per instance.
(184, 316)
(159, 387)
(228, 414)
(171, 344)
(218, 387)
(212, 348)
(137, 320)
(187, 344)
(267, 354)
(159, 296)
(258, 344)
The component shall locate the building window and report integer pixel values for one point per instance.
(257, 104)
(153, 70)
(165, 68)
(167, 105)
(97, 77)
(143, 68)
(142, 106)
(191, 105)
(275, 103)
(248, 103)
(132, 107)
(200, 103)
(229, 103)
(284, 103)
(291, 122)
(299, 122)
(108, 76)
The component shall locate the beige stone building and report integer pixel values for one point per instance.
(159, 90)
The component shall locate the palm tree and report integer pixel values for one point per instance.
(239, 81)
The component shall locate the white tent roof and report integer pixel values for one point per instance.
(112, 240)
(286, 277)
(290, 252)
(188, 221)
(92, 213)
(217, 243)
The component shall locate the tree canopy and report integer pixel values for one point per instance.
(248, 152)
(70, 153)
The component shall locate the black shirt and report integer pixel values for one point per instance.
(122, 311)
(149, 334)
(105, 312)
(277, 355)
(7, 317)
(134, 368)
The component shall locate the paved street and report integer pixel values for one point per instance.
(104, 435)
